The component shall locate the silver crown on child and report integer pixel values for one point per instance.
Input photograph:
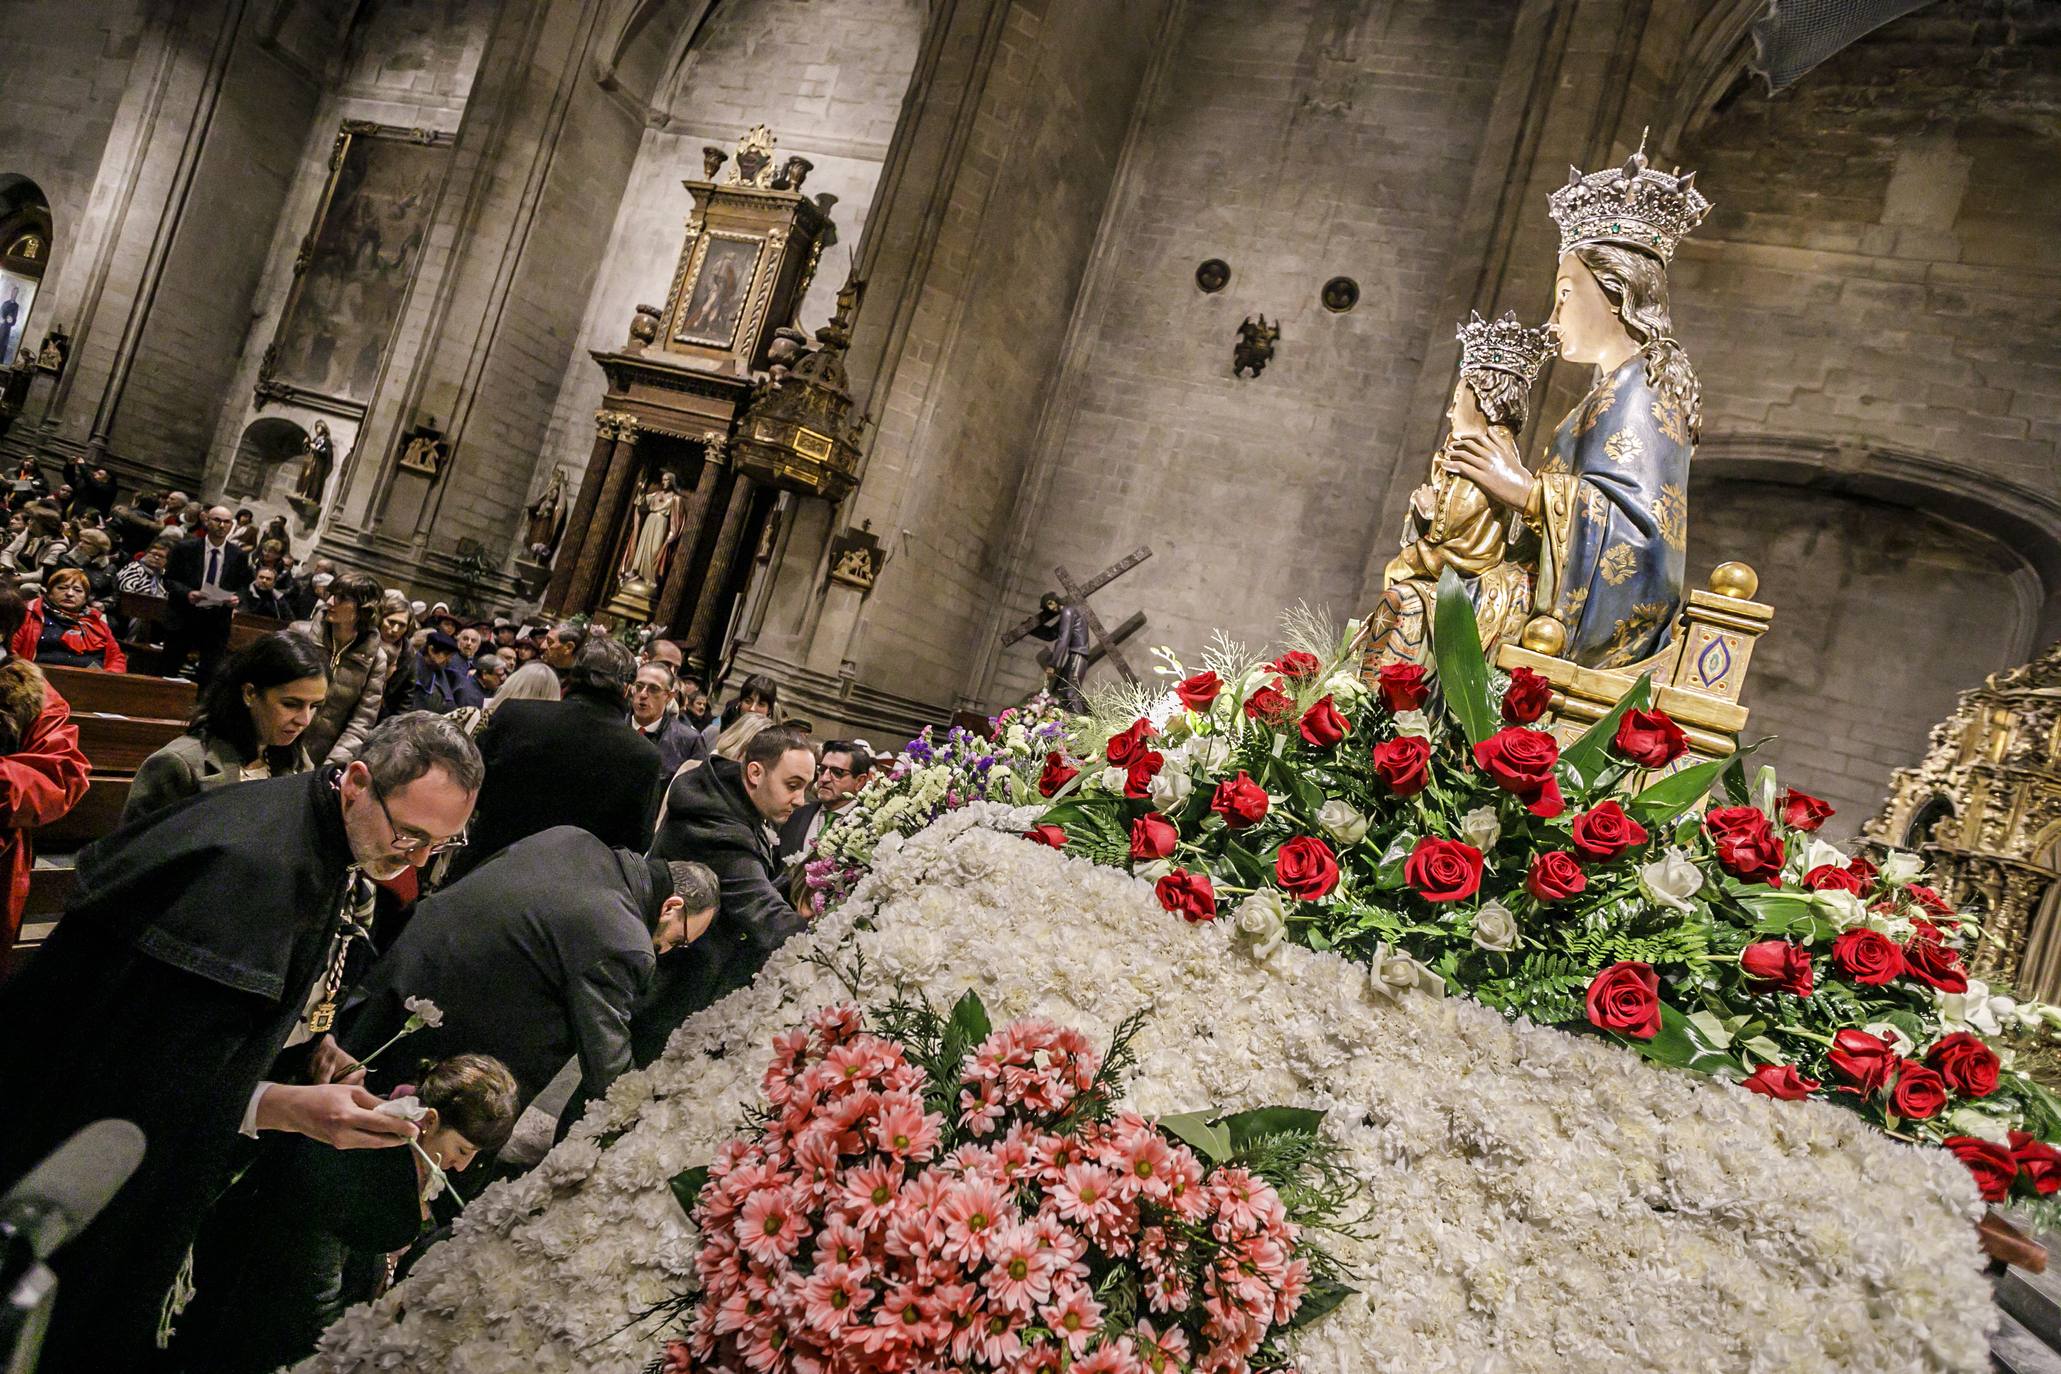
(1506, 345)
(1634, 205)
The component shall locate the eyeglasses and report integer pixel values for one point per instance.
(834, 772)
(411, 845)
(647, 688)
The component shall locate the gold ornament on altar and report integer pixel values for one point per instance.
(1984, 809)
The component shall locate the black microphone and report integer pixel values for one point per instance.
(59, 1197)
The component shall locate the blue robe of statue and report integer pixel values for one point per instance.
(1614, 520)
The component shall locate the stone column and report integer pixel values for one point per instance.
(673, 596)
(591, 568)
(580, 522)
(715, 583)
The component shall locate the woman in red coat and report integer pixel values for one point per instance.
(59, 627)
(42, 771)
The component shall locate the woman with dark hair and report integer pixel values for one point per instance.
(61, 628)
(310, 1230)
(759, 696)
(247, 726)
(40, 544)
(347, 627)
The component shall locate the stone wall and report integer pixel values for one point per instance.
(1297, 141)
(1882, 615)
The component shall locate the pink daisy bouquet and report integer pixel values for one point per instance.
(939, 1195)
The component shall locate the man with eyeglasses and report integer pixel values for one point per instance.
(846, 767)
(652, 711)
(203, 576)
(196, 945)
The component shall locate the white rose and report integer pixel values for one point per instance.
(1412, 723)
(1671, 880)
(1481, 828)
(1899, 868)
(1394, 973)
(1113, 779)
(1170, 787)
(1494, 927)
(1153, 870)
(1846, 909)
(1345, 688)
(1883, 1030)
(1342, 823)
(1818, 854)
(1263, 919)
(1208, 755)
(1974, 1008)
(1980, 1124)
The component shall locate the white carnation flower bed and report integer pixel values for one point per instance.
(1539, 1201)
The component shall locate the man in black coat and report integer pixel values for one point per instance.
(192, 949)
(202, 578)
(651, 710)
(723, 814)
(538, 956)
(571, 762)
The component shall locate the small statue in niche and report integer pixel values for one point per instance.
(1255, 348)
(547, 520)
(663, 512)
(1066, 661)
(318, 456)
(423, 450)
(56, 347)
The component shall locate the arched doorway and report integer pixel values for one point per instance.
(264, 446)
(25, 241)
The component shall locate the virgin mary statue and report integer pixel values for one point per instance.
(661, 513)
(1610, 503)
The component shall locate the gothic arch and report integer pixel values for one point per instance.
(2023, 520)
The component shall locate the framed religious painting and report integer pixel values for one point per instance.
(355, 268)
(719, 285)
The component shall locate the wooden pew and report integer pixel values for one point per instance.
(246, 629)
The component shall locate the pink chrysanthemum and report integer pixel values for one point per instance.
(770, 1227)
(1074, 1317)
(904, 1130)
(970, 1212)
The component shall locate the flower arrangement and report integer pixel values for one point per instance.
(929, 778)
(1456, 847)
(940, 1195)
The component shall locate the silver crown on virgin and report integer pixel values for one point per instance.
(1634, 205)
(1506, 345)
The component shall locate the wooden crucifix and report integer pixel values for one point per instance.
(1105, 644)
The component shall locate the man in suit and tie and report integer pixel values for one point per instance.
(202, 577)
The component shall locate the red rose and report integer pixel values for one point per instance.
(1968, 1065)
(1555, 877)
(1604, 831)
(1058, 773)
(1933, 902)
(1650, 739)
(1306, 868)
(1047, 834)
(1269, 706)
(1747, 846)
(1153, 837)
(1862, 869)
(1403, 687)
(1188, 894)
(2037, 1160)
(1920, 1094)
(1778, 964)
(1802, 811)
(1295, 665)
(1780, 1081)
(1322, 726)
(1626, 998)
(1868, 957)
(1443, 870)
(1826, 878)
(1993, 1165)
(1130, 743)
(1521, 763)
(1240, 801)
(1404, 764)
(1528, 697)
(1929, 961)
(1199, 692)
(1862, 1060)
(1139, 773)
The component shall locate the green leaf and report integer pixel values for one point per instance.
(1462, 668)
(1676, 793)
(1680, 1044)
(1246, 1127)
(1322, 1297)
(969, 1020)
(1587, 755)
(1248, 867)
(1196, 1129)
(687, 1186)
